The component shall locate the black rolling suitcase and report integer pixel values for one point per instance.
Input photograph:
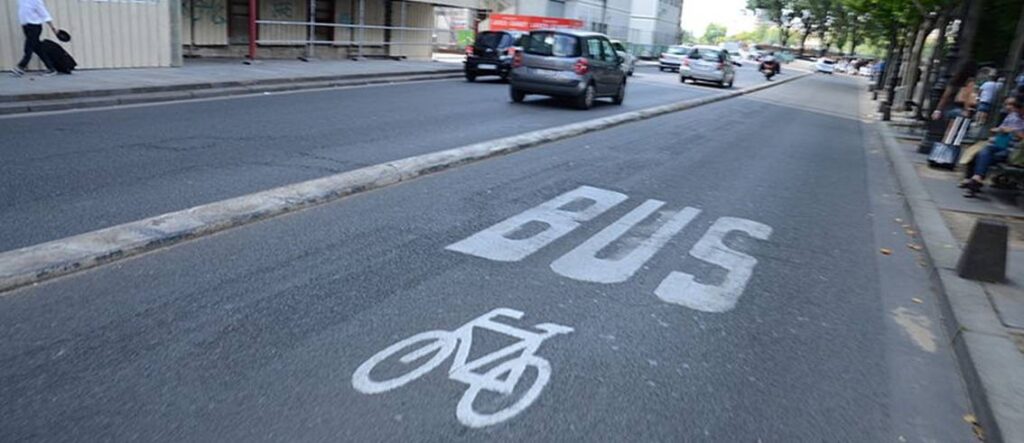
(62, 61)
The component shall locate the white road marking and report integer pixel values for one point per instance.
(583, 264)
(501, 379)
(682, 289)
(917, 326)
(495, 243)
(543, 224)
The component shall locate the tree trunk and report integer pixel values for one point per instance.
(1013, 60)
(890, 53)
(803, 39)
(854, 41)
(783, 35)
(970, 31)
(914, 61)
(934, 58)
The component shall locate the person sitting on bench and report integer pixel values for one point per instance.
(998, 147)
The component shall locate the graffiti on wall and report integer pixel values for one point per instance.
(282, 9)
(208, 11)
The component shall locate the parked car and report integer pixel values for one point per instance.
(491, 54)
(630, 60)
(825, 65)
(671, 58)
(710, 64)
(568, 63)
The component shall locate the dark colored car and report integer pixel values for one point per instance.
(568, 63)
(491, 54)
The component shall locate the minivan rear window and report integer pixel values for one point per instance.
(710, 55)
(488, 39)
(551, 44)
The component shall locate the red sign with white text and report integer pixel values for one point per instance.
(509, 22)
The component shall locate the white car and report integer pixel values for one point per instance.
(673, 57)
(864, 71)
(629, 60)
(825, 65)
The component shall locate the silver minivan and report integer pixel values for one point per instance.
(709, 64)
(568, 63)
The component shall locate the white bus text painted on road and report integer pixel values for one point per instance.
(583, 262)
(682, 289)
(501, 379)
(496, 243)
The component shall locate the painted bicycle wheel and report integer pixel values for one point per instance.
(469, 416)
(440, 343)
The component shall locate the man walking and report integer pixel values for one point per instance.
(32, 14)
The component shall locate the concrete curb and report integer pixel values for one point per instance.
(992, 367)
(40, 262)
(126, 96)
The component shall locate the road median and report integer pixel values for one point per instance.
(37, 263)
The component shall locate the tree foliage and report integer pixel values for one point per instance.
(847, 24)
(714, 34)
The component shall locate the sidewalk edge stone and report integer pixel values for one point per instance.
(992, 367)
(153, 94)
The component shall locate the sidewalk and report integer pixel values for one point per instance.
(984, 320)
(201, 78)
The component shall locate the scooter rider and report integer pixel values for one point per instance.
(769, 64)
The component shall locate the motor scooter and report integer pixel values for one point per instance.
(769, 67)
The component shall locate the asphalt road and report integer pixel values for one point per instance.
(68, 173)
(259, 333)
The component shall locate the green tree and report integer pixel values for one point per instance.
(784, 13)
(714, 34)
(687, 37)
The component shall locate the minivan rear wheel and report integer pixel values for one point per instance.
(516, 95)
(586, 99)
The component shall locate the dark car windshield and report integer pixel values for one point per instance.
(488, 39)
(551, 44)
(618, 46)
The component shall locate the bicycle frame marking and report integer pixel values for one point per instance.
(459, 342)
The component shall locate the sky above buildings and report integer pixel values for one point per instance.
(731, 13)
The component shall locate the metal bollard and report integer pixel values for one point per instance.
(984, 257)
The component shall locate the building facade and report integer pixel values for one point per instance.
(160, 33)
(105, 33)
(648, 26)
(655, 22)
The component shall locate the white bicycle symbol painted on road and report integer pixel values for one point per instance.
(501, 379)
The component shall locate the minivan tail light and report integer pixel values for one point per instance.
(469, 50)
(581, 67)
(517, 59)
(511, 51)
